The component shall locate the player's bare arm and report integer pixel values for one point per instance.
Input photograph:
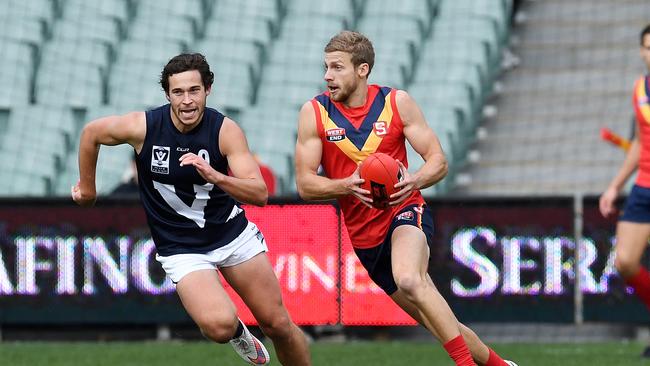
(112, 130)
(309, 148)
(630, 164)
(424, 142)
(246, 183)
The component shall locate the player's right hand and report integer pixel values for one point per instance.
(82, 198)
(606, 202)
(353, 185)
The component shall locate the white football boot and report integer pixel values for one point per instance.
(250, 348)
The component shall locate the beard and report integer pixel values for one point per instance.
(343, 93)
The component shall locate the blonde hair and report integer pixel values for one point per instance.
(354, 43)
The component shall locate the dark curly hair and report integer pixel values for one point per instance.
(186, 62)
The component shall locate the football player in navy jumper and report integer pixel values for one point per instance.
(184, 154)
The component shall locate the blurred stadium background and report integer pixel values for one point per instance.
(517, 92)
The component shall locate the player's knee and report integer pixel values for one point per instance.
(277, 326)
(626, 265)
(219, 329)
(410, 284)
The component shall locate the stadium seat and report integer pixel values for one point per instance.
(454, 95)
(99, 29)
(148, 51)
(255, 9)
(442, 53)
(234, 83)
(27, 30)
(264, 117)
(277, 140)
(189, 10)
(278, 74)
(100, 111)
(46, 142)
(82, 51)
(24, 184)
(258, 30)
(116, 10)
(340, 10)
(292, 97)
(420, 10)
(32, 162)
(174, 29)
(468, 74)
(496, 11)
(43, 10)
(310, 29)
(293, 50)
(464, 29)
(392, 28)
(43, 117)
(16, 71)
(251, 53)
(68, 84)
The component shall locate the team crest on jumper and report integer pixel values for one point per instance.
(335, 134)
(160, 159)
(406, 216)
(380, 128)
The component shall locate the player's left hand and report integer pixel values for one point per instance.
(202, 167)
(405, 187)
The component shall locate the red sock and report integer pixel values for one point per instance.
(495, 360)
(458, 351)
(640, 282)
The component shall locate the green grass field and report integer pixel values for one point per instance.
(351, 353)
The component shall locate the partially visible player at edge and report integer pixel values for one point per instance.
(633, 228)
(183, 153)
(339, 129)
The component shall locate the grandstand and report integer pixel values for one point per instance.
(579, 61)
(69, 61)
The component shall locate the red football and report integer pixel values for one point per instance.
(381, 173)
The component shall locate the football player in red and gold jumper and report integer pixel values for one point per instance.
(340, 128)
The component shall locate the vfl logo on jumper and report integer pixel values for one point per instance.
(406, 216)
(335, 134)
(160, 159)
(380, 128)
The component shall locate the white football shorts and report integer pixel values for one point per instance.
(247, 245)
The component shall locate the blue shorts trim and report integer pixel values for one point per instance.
(637, 205)
(377, 260)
